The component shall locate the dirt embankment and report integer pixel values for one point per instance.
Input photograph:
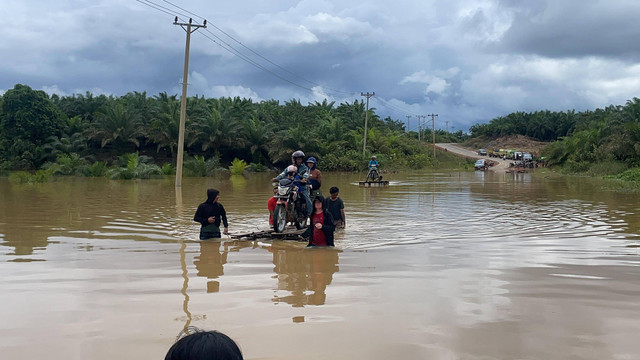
(515, 142)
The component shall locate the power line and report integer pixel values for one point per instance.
(244, 57)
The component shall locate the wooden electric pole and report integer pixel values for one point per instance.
(366, 119)
(189, 28)
(433, 131)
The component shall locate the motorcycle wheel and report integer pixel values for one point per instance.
(279, 218)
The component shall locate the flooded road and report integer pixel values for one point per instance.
(455, 265)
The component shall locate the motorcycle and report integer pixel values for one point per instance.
(373, 174)
(290, 206)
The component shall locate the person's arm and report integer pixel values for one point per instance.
(328, 225)
(281, 175)
(344, 220)
(199, 217)
(223, 215)
(319, 179)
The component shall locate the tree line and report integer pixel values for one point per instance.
(601, 141)
(38, 130)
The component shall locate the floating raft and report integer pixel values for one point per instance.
(288, 234)
(369, 184)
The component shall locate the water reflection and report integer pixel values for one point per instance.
(210, 262)
(305, 273)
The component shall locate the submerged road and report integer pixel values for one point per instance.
(501, 165)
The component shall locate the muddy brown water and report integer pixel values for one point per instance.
(449, 265)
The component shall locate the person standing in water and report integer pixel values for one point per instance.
(210, 214)
(320, 232)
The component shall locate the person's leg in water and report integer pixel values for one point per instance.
(307, 199)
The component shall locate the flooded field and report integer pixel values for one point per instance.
(437, 266)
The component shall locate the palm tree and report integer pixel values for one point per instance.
(216, 133)
(165, 123)
(117, 125)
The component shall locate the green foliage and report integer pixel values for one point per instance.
(168, 169)
(22, 177)
(632, 174)
(604, 168)
(253, 167)
(133, 166)
(97, 169)
(238, 166)
(199, 167)
(71, 164)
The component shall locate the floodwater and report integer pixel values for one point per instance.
(460, 265)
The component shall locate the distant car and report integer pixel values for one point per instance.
(527, 157)
(481, 164)
(482, 152)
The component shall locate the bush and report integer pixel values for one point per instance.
(168, 169)
(606, 168)
(97, 169)
(199, 167)
(632, 174)
(257, 167)
(238, 166)
(133, 166)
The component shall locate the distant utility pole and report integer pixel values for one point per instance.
(433, 131)
(447, 122)
(420, 125)
(366, 119)
(189, 28)
(408, 123)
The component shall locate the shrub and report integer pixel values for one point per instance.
(632, 174)
(97, 169)
(198, 166)
(238, 166)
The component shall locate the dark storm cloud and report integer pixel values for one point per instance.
(467, 60)
(575, 28)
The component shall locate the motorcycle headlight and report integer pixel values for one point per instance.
(282, 190)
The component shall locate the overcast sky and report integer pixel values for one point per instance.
(468, 61)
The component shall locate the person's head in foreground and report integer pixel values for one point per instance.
(196, 344)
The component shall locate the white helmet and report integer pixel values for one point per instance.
(292, 168)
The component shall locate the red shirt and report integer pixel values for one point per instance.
(271, 205)
(318, 235)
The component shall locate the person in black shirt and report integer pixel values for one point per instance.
(336, 207)
(209, 214)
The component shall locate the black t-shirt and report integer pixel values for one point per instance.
(334, 208)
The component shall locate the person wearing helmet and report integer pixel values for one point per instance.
(315, 177)
(373, 162)
(373, 169)
(303, 172)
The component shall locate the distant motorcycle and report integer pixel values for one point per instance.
(290, 206)
(373, 174)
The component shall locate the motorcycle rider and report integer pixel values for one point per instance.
(303, 172)
(373, 164)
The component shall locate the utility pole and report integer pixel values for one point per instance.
(366, 119)
(420, 125)
(189, 28)
(408, 123)
(447, 122)
(433, 131)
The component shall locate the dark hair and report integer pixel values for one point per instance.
(334, 190)
(204, 345)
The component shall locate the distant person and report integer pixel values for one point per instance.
(210, 214)
(315, 177)
(271, 204)
(373, 162)
(203, 345)
(336, 207)
(320, 232)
